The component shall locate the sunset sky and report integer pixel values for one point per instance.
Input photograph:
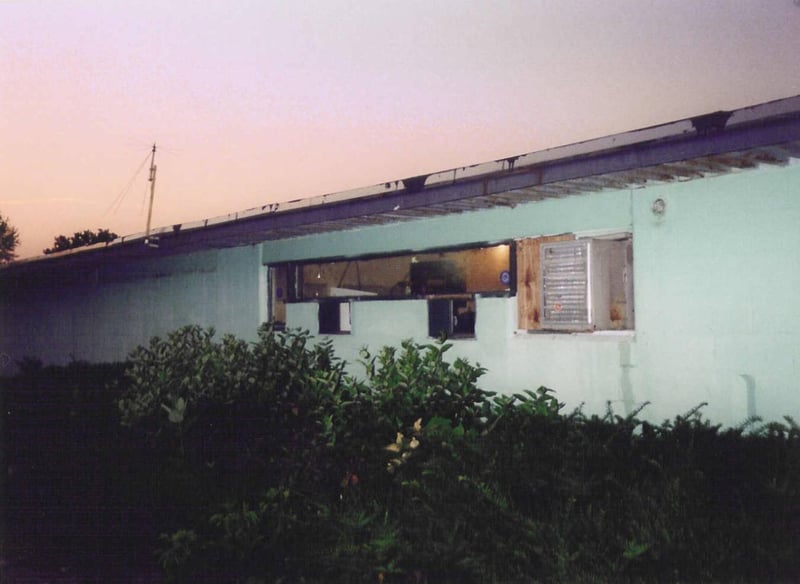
(252, 102)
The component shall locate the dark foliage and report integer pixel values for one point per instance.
(265, 462)
(9, 240)
(77, 487)
(80, 239)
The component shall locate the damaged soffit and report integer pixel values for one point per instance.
(708, 145)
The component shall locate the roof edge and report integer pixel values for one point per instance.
(753, 115)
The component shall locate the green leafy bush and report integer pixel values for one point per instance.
(411, 472)
(267, 462)
(270, 446)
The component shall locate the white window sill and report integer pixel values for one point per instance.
(598, 336)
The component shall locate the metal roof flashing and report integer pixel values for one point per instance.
(714, 143)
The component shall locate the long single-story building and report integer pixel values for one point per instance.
(660, 265)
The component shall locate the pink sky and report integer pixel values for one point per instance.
(254, 102)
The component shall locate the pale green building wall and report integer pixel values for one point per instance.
(120, 308)
(717, 287)
(716, 284)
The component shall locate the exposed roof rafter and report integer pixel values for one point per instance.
(764, 134)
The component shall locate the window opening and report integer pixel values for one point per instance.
(474, 270)
(278, 293)
(334, 316)
(451, 317)
(452, 276)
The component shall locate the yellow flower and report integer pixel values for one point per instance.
(397, 445)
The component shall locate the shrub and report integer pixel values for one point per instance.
(266, 462)
(413, 473)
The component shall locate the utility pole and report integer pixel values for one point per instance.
(152, 180)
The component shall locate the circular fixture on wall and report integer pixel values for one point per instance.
(658, 207)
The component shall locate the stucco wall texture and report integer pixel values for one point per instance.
(715, 291)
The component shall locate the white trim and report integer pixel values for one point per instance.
(613, 336)
(614, 233)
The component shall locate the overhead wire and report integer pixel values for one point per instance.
(117, 202)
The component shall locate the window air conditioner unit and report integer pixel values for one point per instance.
(585, 285)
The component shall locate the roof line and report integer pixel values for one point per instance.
(768, 124)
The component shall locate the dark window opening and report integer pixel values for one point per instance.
(334, 316)
(451, 317)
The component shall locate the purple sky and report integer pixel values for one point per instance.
(259, 101)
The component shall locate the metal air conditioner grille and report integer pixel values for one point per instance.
(565, 285)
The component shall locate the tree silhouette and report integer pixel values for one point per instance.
(9, 240)
(81, 239)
